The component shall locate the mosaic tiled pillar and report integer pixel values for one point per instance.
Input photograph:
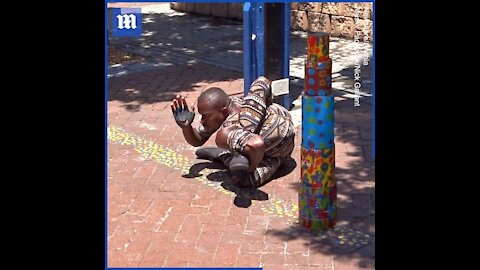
(317, 198)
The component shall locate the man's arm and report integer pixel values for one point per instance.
(192, 136)
(184, 116)
(254, 150)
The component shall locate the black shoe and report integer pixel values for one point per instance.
(239, 163)
(210, 153)
(240, 179)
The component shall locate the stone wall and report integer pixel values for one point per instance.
(340, 19)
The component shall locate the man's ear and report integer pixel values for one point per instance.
(224, 110)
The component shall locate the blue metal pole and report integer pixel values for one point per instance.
(247, 47)
(253, 43)
(259, 41)
(286, 49)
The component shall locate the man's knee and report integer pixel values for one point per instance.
(221, 138)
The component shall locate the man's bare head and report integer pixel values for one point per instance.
(214, 97)
(213, 106)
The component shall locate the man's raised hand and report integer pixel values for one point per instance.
(181, 112)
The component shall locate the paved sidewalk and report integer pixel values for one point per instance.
(175, 37)
(168, 209)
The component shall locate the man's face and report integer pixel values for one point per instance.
(212, 118)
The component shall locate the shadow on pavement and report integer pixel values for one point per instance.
(156, 86)
(244, 196)
(343, 242)
(196, 168)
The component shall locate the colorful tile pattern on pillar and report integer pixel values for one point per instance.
(318, 47)
(317, 198)
(318, 122)
(317, 224)
(318, 206)
(318, 202)
(317, 168)
(318, 79)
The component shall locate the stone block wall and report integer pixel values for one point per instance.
(341, 19)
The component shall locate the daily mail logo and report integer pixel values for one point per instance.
(126, 22)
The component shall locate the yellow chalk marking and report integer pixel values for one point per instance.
(170, 158)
